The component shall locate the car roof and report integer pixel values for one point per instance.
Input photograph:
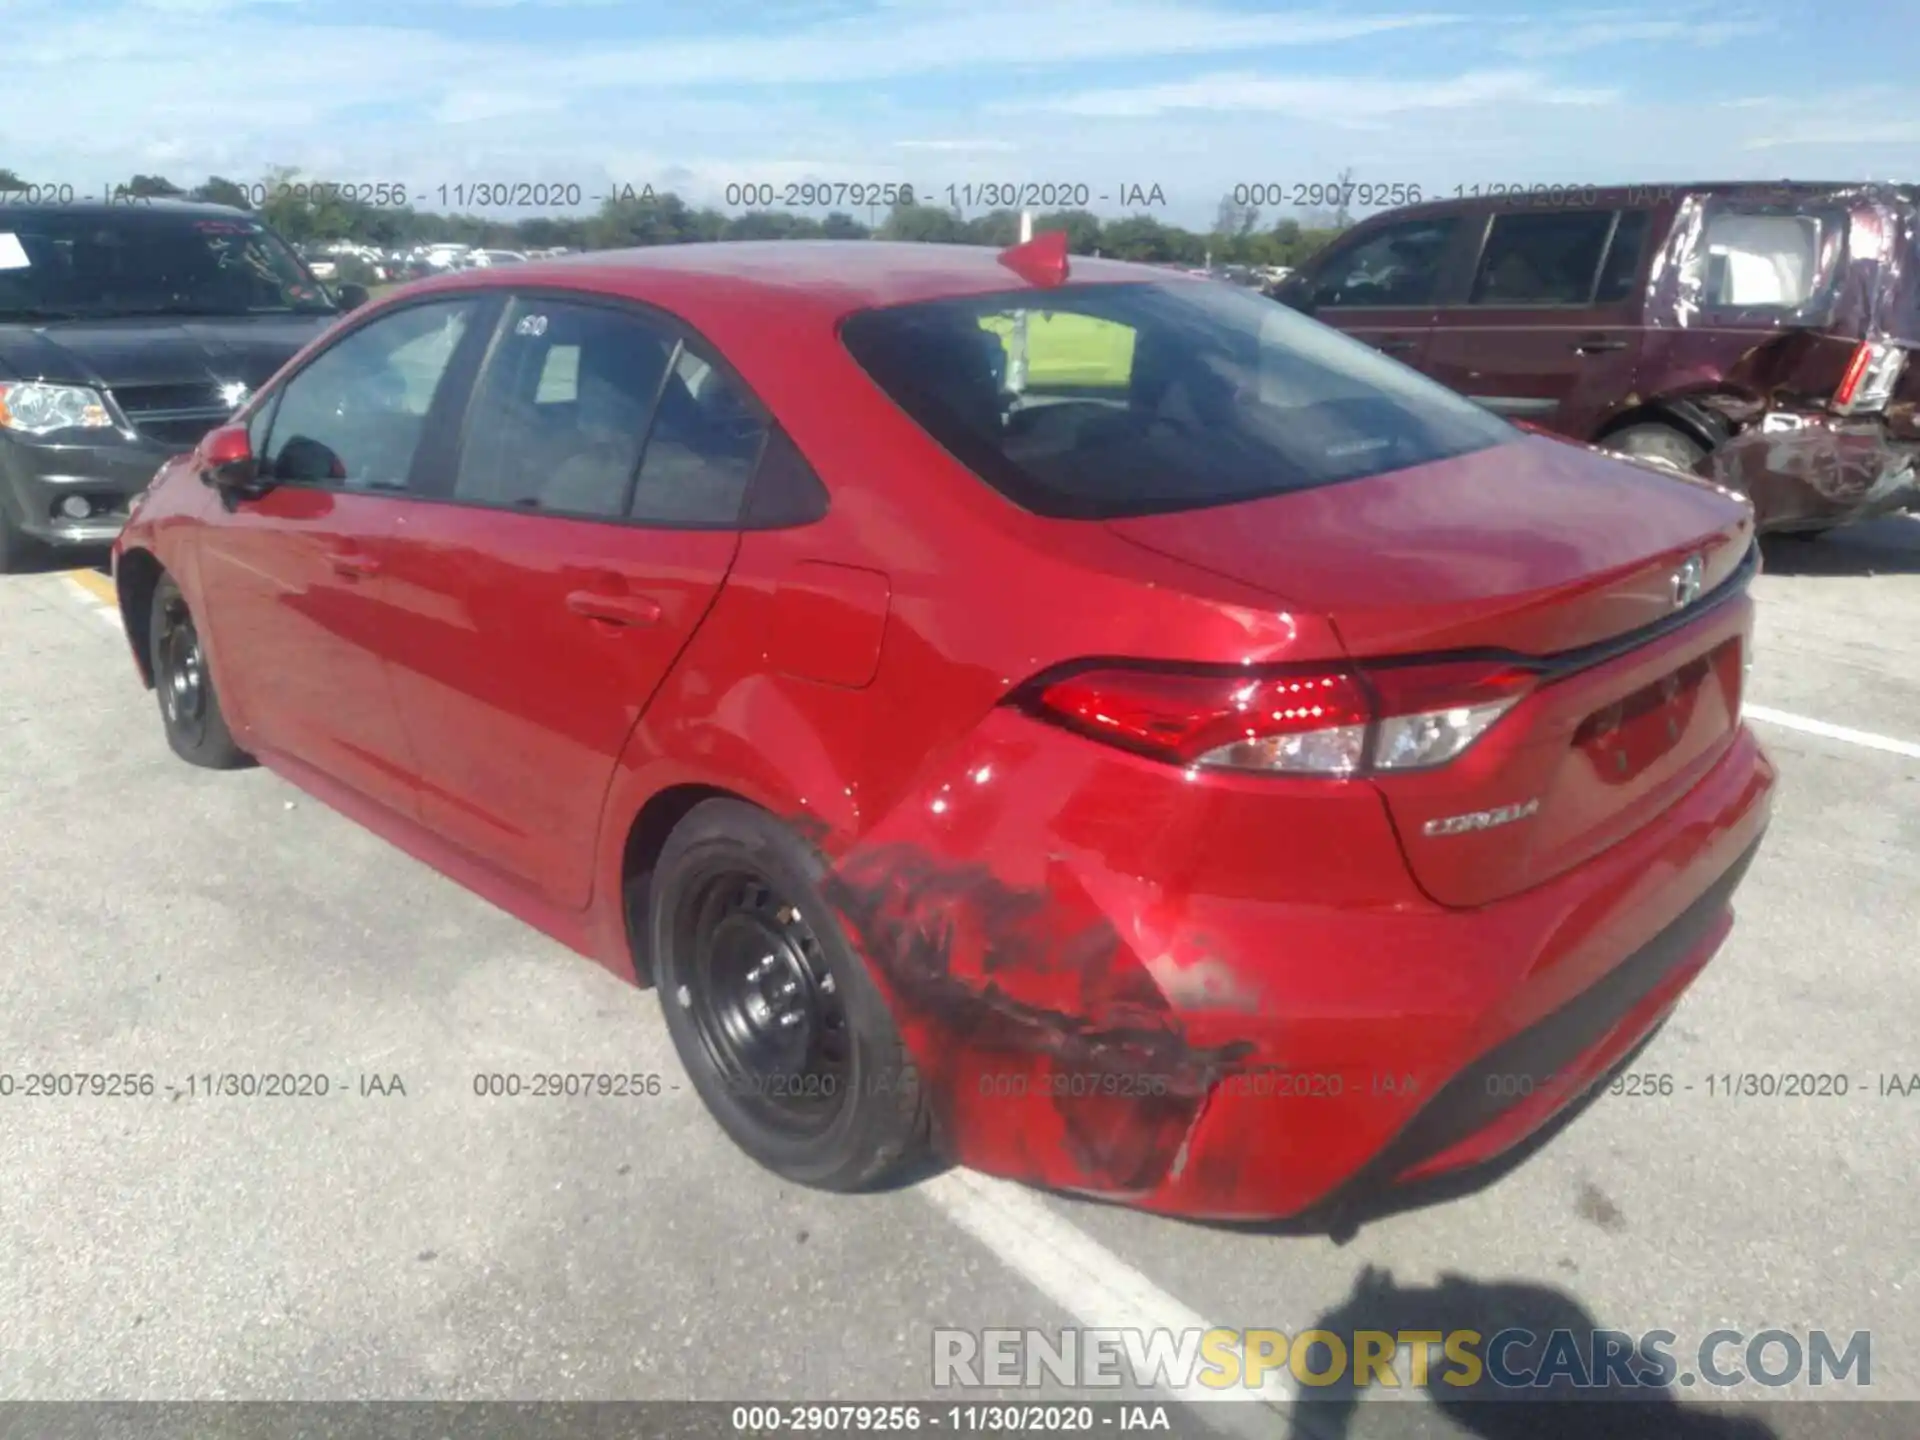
(186, 209)
(829, 278)
(1546, 198)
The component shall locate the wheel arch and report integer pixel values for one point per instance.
(646, 836)
(1678, 412)
(136, 575)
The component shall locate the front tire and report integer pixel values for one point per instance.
(783, 1033)
(189, 705)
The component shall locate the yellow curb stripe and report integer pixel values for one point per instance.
(94, 583)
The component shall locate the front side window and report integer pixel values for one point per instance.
(562, 409)
(1101, 401)
(1542, 259)
(1399, 265)
(355, 416)
(145, 260)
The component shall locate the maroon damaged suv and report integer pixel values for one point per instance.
(1757, 334)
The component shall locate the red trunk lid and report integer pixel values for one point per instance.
(1541, 549)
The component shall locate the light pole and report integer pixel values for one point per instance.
(1017, 347)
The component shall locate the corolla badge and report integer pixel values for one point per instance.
(233, 394)
(1481, 819)
(1685, 582)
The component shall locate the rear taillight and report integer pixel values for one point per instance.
(1332, 721)
(1871, 375)
(1430, 714)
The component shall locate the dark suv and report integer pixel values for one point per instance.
(128, 331)
(1755, 334)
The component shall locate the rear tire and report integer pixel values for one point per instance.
(781, 1030)
(189, 705)
(1662, 444)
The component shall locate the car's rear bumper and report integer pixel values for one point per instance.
(1177, 1044)
(1819, 471)
(36, 479)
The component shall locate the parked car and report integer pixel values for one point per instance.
(1259, 775)
(445, 256)
(1757, 334)
(481, 259)
(128, 331)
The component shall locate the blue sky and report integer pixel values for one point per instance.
(695, 95)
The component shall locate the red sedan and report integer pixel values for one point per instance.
(1095, 723)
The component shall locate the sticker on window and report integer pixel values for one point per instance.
(531, 325)
(225, 227)
(13, 255)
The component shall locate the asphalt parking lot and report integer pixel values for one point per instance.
(411, 1239)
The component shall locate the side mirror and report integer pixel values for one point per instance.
(1295, 292)
(351, 296)
(227, 463)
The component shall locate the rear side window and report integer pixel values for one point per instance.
(706, 437)
(1550, 258)
(562, 409)
(1765, 260)
(1399, 265)
(1102, 401)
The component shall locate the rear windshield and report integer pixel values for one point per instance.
(1103, 401)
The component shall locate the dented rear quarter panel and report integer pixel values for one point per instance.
(768, 702)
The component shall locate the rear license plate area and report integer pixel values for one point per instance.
(1626, 738)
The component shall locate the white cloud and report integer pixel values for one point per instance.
(958, 147)
(1838, 133)
(1545, 42)
(927, 92)
(944, 38)
(1327, 98)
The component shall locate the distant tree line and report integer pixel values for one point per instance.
(649, 217)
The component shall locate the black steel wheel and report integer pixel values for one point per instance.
(762, 999)
(783, 1034)
(189, 705)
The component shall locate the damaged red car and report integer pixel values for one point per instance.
(1757, 334)
(1097, 726)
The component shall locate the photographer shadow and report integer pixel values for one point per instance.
(1609, 1408)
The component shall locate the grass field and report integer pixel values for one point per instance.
(1067, 349)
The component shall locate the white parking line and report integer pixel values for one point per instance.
(1864, 738)
(1087, 1280)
